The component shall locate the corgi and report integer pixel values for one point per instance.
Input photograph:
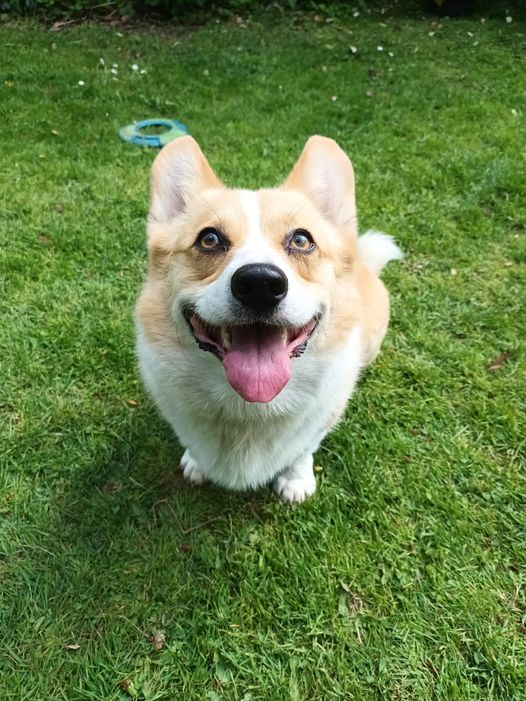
(258, 313)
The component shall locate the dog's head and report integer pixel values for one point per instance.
(254, 277)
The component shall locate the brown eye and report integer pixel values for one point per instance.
(300, 241)
(211, 240)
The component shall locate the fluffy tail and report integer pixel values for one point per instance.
(376, 249)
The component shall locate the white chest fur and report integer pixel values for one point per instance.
(238, 444)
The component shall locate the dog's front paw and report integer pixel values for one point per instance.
(191, 470)
(297, 482)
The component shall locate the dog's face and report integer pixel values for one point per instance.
(255, 278)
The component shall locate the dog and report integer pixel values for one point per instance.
(258, 313)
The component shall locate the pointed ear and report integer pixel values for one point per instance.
(325, 174)
(179, 173)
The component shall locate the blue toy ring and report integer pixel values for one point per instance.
(132, 133)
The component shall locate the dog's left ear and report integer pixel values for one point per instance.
(325, 174)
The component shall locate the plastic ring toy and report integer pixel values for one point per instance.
(132, 133)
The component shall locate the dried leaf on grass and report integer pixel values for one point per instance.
(498, 362)
(349, 603)
(158, 639)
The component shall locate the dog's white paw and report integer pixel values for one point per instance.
(297, 482)
(191, 470)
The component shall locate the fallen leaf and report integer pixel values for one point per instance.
(132, 403)
(349, 604)
(372, 72)
(126, 684)
(158, 639)
(184, 548)
(498, 362)
(369, 93)
(72, 646)
(223, 669)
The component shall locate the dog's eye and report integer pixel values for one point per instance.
(211, 240)
(300, 241)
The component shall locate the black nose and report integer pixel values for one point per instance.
(259, 286)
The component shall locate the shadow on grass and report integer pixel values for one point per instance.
(140, 485)
(128, 540)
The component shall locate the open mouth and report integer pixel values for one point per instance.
(256, 357)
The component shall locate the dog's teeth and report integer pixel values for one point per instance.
(225, 338)
(285, 336)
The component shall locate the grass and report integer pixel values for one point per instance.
(404, 578)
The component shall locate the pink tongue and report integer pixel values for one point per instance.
(257, 364)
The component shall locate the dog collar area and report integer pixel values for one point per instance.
(135, 134)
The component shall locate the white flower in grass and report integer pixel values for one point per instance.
(81, 82)
(135, 67)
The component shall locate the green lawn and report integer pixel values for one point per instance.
(404, 578)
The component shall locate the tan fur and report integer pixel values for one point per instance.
(358, 295)
(318, 196)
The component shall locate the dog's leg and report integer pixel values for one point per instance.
(297, 482)
(191, 470)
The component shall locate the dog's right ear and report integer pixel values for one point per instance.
(179, 173)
